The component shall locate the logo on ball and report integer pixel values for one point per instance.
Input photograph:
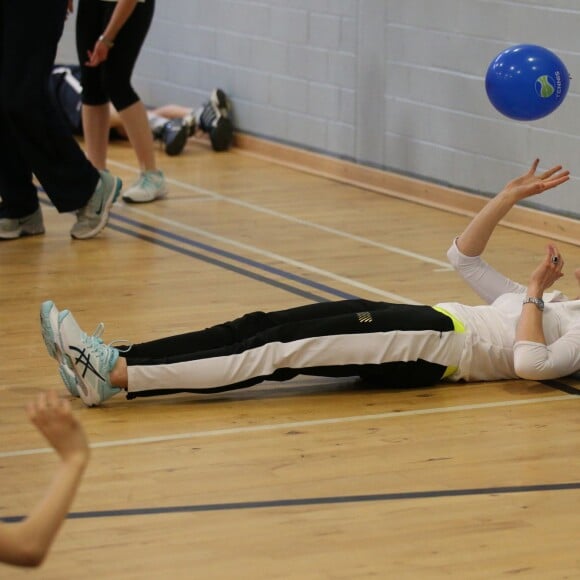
(545, 86)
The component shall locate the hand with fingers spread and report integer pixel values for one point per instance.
(53, 417)
(531, 184)
(473, 240)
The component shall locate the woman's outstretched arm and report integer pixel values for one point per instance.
(27, 543)
(473, 240)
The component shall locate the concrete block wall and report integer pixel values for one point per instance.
(394, 84)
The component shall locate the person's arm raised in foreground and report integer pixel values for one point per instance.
(465, 251)
(26, 543)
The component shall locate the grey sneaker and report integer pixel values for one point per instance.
(92, 218)
(29, 225)
(149, 187)
(91, 360)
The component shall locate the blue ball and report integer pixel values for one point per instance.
(526, 82)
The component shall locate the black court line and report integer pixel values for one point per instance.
(316, 501)
(562, 387)
(230, 255)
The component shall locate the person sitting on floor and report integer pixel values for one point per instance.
(171, 125)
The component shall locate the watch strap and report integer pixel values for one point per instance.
(533, 300)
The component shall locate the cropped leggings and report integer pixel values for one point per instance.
(111, 81)
(390, 345)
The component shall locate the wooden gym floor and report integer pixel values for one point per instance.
(311, 479)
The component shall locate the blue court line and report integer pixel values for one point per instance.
(224, 265)
(238, 270)
(315, 501)
(230, 255)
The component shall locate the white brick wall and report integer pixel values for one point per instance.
(397, 84)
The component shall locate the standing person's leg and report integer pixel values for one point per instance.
(34, 137)
(118, 70)
(19, 212)
(96, 123)
(92, 18)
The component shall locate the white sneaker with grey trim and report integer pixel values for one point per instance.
(29, 225)
(149, 187)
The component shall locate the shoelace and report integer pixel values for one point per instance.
(95, 340)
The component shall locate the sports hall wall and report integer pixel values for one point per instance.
(393, 84)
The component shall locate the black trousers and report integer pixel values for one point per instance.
(111, 81)
(331, 339)
(34, 139)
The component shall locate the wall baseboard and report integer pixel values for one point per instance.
(525, 219)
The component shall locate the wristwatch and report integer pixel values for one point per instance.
(537, 301)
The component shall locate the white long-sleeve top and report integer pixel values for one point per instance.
(490, 351)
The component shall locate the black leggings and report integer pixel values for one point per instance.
(319, 324)
(111, 81)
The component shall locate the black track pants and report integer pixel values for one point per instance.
(393, 345)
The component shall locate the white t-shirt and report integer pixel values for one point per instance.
(490, 351)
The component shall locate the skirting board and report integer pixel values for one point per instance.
(551, 226)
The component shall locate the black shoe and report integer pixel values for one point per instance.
(174, 135)
(214, 119)
(222, 134)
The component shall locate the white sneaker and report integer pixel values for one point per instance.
(149, 187)
(89, 358)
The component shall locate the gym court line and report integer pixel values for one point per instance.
(241, 246)
(159, 232)
(154, 239)
(317, 501)
(302, 424)
(441, 265)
